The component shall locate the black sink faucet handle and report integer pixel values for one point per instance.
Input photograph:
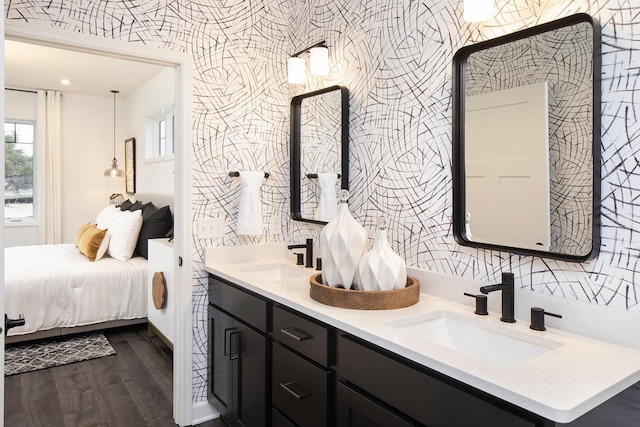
(481, 303)
(537, 318)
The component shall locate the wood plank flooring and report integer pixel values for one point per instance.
(131, 388)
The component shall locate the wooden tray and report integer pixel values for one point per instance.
(364, 300)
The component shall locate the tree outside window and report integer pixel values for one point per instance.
(19, 144)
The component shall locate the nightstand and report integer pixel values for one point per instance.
(161, 260)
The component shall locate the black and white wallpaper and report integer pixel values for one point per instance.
(396, 60)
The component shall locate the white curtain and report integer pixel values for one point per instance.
(49, 166)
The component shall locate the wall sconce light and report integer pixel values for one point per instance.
(318, 63)
(478, 10)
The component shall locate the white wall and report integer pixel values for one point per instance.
(87, 150)
(21, 106)
(154, 175)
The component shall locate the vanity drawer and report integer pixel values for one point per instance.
(302, 335)
(299, 388)
(417, 394)
(244, 305)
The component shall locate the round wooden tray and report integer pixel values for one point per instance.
(364, 300)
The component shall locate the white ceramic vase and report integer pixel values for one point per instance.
(343, 241)
(381, 269)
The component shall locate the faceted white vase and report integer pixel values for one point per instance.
(343, 241)
(381, 269)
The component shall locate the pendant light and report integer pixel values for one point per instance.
(113, 171)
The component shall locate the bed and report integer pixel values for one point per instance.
(60, 291)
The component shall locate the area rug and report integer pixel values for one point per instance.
(20, 358)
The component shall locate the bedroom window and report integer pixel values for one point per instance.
(160, 135)
(19, 147)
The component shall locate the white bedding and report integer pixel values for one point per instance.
(56, 286)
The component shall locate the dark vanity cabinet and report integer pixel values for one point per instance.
(380, 389)
(237, 355)
(270, 365)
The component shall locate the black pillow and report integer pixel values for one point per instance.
(137, 206)
(155, 224)
(126, 205)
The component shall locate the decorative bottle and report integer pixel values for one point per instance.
(343, 241)
(381, 269)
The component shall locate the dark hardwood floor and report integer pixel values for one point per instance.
(131, 388)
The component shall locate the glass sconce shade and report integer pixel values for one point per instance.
(295, 70)
(319, 61)
(478, 10)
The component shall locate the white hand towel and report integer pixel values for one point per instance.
(328, 201)
(250, 210)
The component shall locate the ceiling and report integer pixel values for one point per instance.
(33, 66)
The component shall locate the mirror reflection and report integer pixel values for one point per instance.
(319, 153)
(525, 151)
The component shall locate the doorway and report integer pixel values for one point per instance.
(182, 360)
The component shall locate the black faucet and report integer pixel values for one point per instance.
(508, 304)
(309, 252)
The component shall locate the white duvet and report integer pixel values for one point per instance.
(56, 286)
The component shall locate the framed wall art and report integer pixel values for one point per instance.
(130, 165)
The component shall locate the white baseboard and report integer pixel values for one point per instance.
(203, 411)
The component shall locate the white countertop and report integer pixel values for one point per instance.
(561, 384)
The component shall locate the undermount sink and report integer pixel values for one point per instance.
(483, 340)
(278, 272)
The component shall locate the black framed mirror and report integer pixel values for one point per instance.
(526, 141)
(319, 152)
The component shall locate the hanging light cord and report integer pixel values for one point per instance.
(114, 123)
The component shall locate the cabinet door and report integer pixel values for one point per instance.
(249, 350)
(355, 410)
(219, 366)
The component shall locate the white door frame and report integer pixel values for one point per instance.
(182, 346)
(2, 242)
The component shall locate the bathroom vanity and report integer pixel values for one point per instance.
(276, 357)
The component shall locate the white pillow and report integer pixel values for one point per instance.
(102, 250)
(103, 216)
(124, 227)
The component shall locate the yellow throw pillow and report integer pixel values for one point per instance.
(90, 241)
(80, 232)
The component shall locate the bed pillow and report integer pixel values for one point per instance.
(124, 227)
(155, 224)
(90, 242)
(104, 246)
(80, 232)
(103, 216)
(126, 205)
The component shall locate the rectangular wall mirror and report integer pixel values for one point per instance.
(526, 141)
(319, 152)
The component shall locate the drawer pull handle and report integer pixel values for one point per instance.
(291, 332)
(298, 393)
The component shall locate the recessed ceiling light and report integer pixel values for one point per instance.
(65, 82)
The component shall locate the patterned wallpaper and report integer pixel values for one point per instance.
(395, 58)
